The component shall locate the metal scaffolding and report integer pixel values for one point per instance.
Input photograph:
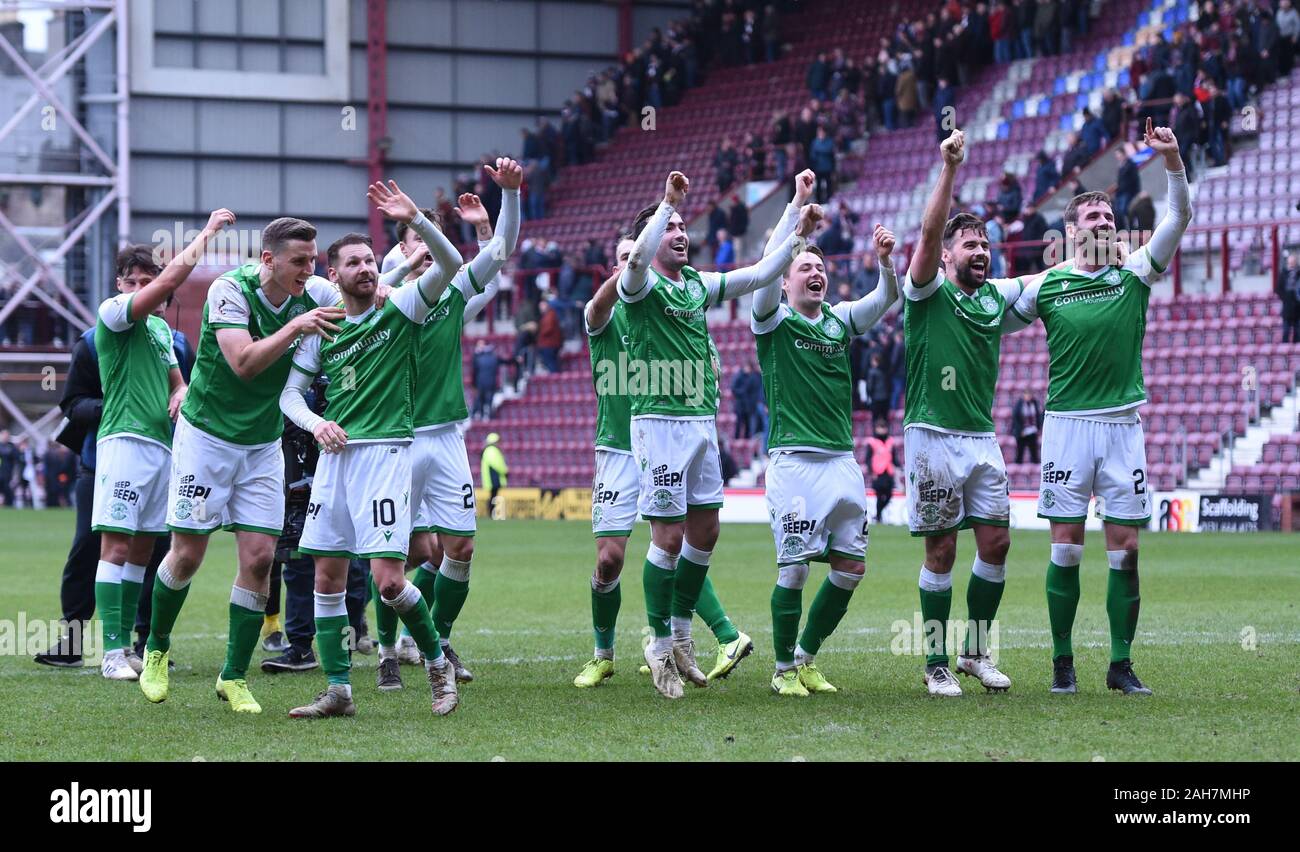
(99, 215)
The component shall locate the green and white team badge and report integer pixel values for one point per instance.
(792, 545)
(663, 498)
(117, 511)
(183, 509)
(694, 289)
(596, 514)
(1112, 277)
(988, 303)
(930, 513)
(297, 310)
(1049, 499)
(834, 328)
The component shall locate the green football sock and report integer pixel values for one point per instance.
(415, 614)
(828, 607)
(168, 597)
(935, 609)
(687, 586)
(604, 614)
(108, 603)
(450, 590)
(658, 584)
(787, 609)
(385, 619)
(710, 610)
(245, 629)
(426, 579)
(1062, 602)
(1122, 605)
(982, 599)
(335, 659)
(132, 581)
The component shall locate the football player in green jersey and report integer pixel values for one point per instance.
(143, 390)
(674, 434)
(442, 487)
(1094, 310)
(616, 489)
(361, 494)
(956, 476)
(227, 466)
(816, 494)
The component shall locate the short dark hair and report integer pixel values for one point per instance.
(352, 239)
(642, 219)
(811, 249)
(280, 231)
(1072, 209)
(963, 222)
(138, 256)
(429, 213)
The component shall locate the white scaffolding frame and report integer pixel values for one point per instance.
(44, 283)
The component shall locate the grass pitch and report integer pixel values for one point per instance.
(525, 632)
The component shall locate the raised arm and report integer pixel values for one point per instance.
(395, 204)
(738, 282)
(492, 257)
(867, 311)
(768, 297)
(480, 301)
(1178, 215)
(228, 313)
(147, 299)
(633, 279)
(601, 306)
(924, 266)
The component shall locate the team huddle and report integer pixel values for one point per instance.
(393, 483)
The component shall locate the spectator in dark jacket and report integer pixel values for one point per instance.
(717, 222)
(738, 223)
(1288, 290)
(1127, 186)
(1076, 155)
(944, 101)
(1141, 215)
(1026, 425)
(878, 390)
(1030, 258)
(8, 464)
(822, 161)
(819, 77)
(1112, 113)
(1046, 177)
(1009, 194)
(746, 395)
(1093, 133)
(487, 366)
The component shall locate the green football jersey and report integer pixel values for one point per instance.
(609, 347)
(670, 369)
(439, 380)
(953, 344)
(219, 402)
(807, 380)
(1096, 323)
(369, 366)
(135, 359)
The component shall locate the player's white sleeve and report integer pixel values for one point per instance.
(914, 292)
(323, 292)
(394, 275)
(1154, 257)
(411, 301)
(736, 283)
(116, 312)
(227, 307)
(393, 259)
(635, 281)
(293, 401)
(475, 305)
(492, 255)
(1021, 313)
(861, 314)
(446, 260)
(768, 298)
(768, 324)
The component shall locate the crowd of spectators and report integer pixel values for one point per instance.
(30, 478)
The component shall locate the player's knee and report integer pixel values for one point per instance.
(391, 587)
(670, 538)
(996, 547)
(113, 548)
(256, 558)
(1067, 534)
(460, 548)
(792, 576)
(940, 554)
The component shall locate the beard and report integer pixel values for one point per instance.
(966, 277)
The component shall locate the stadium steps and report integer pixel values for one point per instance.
(1248, 450)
